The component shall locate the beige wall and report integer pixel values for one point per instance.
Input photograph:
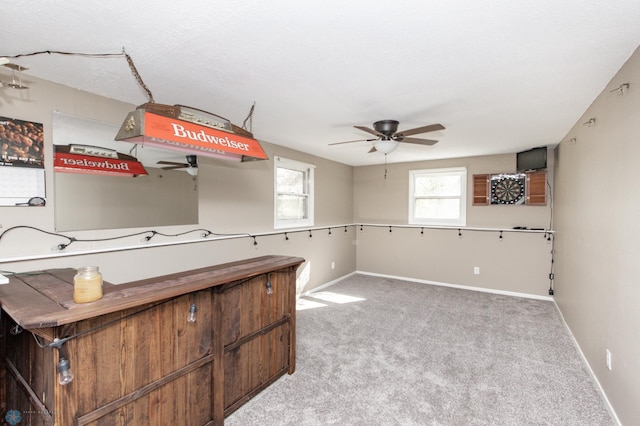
(597, 245)
(386, 200)
(233, 198)
(519, 263)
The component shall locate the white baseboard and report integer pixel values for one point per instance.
(463, 287)
(325, 285)
(593, 375)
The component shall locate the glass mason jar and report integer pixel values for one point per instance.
(87, 285)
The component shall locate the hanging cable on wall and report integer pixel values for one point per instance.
(551, 273)
(550, 205)
(146, 238)
(204, 233)
(149, 237)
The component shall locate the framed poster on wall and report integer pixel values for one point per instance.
(21, 143)
(21, 162)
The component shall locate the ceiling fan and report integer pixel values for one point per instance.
(14, 84)
(191, 165)
(388, 137)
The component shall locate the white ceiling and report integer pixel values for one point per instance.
(501, 76)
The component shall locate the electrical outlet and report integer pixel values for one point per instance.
(476, 270)
(333, 265)
(608, 359)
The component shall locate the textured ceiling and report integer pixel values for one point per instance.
(501, 76)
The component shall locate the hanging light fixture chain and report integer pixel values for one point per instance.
(249, 119)
(136, 75)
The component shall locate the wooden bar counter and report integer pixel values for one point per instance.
(135, 357)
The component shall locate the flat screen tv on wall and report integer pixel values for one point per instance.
(532, 159)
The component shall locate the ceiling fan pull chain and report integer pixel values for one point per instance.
(385, 167)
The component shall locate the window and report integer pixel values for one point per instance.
(293, 193)
(438, 197)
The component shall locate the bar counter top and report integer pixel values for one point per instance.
(45, 299)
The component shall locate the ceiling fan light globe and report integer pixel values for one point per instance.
(193, 171)
(385, 146)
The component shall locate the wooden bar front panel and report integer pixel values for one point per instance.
(257, 336)
(148, 365)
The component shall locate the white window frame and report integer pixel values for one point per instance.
(308, 169)
(462, 213)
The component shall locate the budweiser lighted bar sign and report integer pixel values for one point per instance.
(199, 136)
(70, 159)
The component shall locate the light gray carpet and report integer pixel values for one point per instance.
(416, 354)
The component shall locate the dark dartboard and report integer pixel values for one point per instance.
(507, 190)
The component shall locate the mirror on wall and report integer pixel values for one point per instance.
(85, 201)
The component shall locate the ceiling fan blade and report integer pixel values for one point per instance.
(373, 149)
(357, 140)
(14, 67)
(14, 85)
(423, 129)
(368, 130)
(182, 166)
(172, 163)
(418, 141)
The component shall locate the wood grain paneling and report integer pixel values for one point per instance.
(146, 364)
(481, 190)
(537, 188)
